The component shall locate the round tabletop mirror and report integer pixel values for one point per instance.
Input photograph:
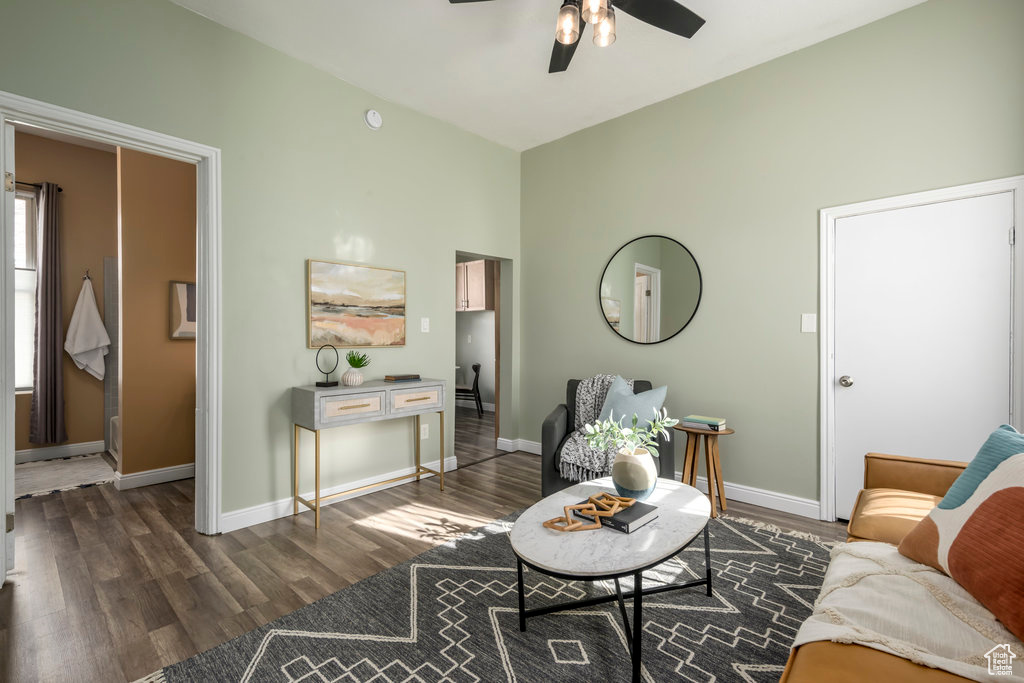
(650, 289)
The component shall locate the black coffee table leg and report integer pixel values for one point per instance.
(522, 596)
(707, 557)
(638, 621)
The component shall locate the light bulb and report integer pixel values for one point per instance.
(594, 11)
(567, 31)
(604, 30)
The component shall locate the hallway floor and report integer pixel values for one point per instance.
(474, 437)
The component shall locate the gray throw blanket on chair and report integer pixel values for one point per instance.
(580, 462)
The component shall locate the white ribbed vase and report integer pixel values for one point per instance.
(634, 474)
(352, 378)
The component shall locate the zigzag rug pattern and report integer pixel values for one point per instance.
(450, 615)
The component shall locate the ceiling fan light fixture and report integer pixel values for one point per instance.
(604, 30)
(594, 11)
(568, 30)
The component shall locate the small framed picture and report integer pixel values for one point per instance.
(183, 310)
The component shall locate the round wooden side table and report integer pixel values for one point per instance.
(716, 483)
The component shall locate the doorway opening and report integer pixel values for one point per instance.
(205, 163)
(646, 303)
(105, 264)
(479, 284)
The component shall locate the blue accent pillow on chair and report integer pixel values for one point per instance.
(1001, 444)
(624, 404)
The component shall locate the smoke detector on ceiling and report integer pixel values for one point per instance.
(373, 119)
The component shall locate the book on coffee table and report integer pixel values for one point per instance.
(626, 520)
(401, 378)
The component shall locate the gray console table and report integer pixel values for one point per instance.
(316, 408)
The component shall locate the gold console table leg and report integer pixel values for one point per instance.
(416, 440)
(440, 467)
(295, 459)
(317, 515)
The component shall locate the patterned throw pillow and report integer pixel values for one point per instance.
(976, 534)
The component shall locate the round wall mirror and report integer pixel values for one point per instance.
(650, 289)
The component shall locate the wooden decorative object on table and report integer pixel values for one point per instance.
(601, 505)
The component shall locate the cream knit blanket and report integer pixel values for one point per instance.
(875, 597)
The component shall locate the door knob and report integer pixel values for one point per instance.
(846, 381)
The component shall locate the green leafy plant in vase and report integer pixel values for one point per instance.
(633, 472)
(356, 361)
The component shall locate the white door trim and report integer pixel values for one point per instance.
(653, 320)
(826, 393)
(15, 108)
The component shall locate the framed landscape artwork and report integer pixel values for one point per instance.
(182, 321)
(612, 309)
(351, 305)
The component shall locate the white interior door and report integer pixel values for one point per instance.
(7, 350)
(923, 319)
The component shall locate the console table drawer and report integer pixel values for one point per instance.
(340, 408)
(416, 400)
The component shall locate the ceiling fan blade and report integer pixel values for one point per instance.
(668, 15)
(561, 54)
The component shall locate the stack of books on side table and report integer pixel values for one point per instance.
(401, 378)
(713, 424)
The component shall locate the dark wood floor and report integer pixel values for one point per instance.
(111, 586)
(474, 437)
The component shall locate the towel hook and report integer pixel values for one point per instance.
(86, 276)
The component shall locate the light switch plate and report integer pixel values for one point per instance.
(424, 431)
(469, 339)
(808, 322)
(424, 324)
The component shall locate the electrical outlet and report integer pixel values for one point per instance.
(424, 431)
(424, 324)
(469, 339)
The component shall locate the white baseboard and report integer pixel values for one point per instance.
(66, 450)
(510, 445)
(150, 477)
(257, 514)
(469, 403)
(783, 502)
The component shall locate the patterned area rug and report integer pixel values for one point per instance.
(450, 615)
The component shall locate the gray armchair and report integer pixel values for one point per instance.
(559, 424)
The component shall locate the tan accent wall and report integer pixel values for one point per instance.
(88, 233)
(158, 376)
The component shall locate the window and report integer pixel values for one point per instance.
(24, 289)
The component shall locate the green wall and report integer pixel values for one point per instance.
(737, 171)
(303, 177)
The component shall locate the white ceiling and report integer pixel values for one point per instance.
(483, 66)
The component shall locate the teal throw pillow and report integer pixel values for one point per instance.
(624, 404)
(1000, 445)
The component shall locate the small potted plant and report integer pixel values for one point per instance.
(633, 471)
(356, 360)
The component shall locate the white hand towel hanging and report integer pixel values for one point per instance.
(87, 342)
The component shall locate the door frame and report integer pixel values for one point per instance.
(653, 331)
(826, 309)
(209, 337)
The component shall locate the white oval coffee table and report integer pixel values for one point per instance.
(602, 554)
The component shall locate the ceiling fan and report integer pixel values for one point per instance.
(576, 14)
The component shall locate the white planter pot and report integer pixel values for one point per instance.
(352, 378)
(634, 474)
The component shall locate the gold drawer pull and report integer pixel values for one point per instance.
(421, 398)
(361, 405)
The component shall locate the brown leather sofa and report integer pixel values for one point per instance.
(898, 492)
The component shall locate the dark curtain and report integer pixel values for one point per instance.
(46, 423)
